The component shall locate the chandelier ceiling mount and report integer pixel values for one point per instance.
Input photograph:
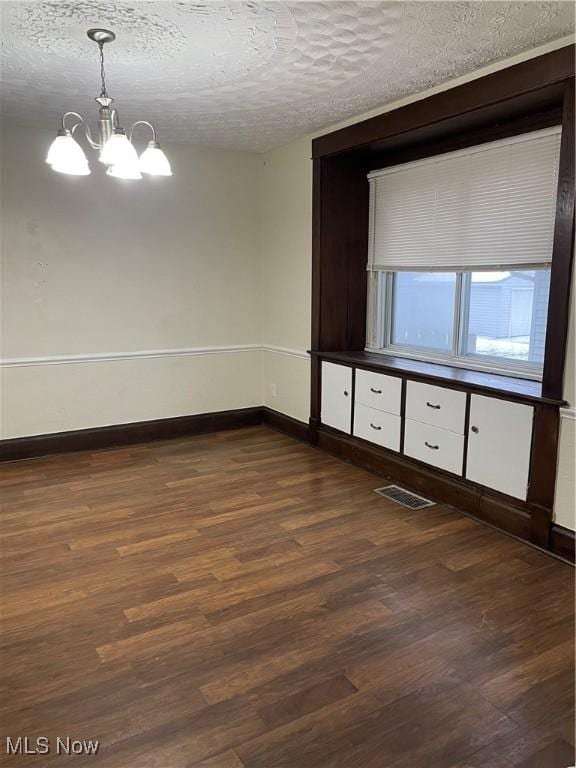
(115, 147)
(101, 36)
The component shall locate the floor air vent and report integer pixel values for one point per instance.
(404, 497)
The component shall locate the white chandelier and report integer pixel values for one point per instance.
(116, 149)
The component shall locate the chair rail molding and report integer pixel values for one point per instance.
(105, 357)
(286, 351)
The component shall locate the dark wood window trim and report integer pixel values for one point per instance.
(519, 99)
(525, 97)
(522, 89)
(562, 258)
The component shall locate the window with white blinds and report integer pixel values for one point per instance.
(488, 207)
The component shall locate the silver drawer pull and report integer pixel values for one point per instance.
(431, 405)
(434, 447)
(376, 391)
(374, 426)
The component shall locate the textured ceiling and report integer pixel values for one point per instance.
(253, 75)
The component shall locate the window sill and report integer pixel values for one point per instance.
(523, 390)
(471, 363)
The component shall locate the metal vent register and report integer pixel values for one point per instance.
(404, 497)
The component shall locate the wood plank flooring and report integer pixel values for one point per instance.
(241, 600)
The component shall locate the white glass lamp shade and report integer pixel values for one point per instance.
(154, 162)
(72, 170)
(121, 157)
(124, 171)
(118, 150)
(67, 156)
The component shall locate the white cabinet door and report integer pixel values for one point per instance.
(336, 405)
(499, 443)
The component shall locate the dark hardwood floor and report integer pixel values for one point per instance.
(241, 600)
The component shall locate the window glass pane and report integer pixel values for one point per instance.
(507, 314)
(423, 309)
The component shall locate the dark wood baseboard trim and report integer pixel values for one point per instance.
(562, 542)
(473, 501)
(145, 431)
(127, 434)
(313, 426)
(286, 424)
(496, 511)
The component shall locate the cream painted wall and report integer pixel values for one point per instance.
(565, 506)
(217, 256)
(56, 398)
(93, 265)
(286, 231)
(286, 183)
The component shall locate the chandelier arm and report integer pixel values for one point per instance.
(89, 139)
(71, 114)
(85, 126)
(142, 122)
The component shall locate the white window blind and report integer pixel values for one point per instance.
(481, 208)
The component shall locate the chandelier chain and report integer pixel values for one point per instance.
(102, 71)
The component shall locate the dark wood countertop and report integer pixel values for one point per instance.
(525, 390)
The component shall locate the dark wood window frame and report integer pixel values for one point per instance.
(528, 96)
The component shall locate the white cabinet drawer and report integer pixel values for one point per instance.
(377, 426)
(336, 400)
(378, 391)
(437, 406)
(435, 446)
